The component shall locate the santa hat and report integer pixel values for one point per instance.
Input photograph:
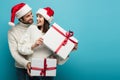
(47, 13)
(18, 11)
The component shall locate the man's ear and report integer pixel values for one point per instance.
(21, 19)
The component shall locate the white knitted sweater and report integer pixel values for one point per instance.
(14, 35)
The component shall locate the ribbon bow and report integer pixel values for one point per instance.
(67, 35)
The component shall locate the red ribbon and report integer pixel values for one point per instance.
(67, 36)
(43, 70)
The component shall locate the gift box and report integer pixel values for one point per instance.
(43, 67)
(59, 40)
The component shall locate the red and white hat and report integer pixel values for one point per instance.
(18, 11)
(47, 13)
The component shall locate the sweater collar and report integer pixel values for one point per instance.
(24, 25)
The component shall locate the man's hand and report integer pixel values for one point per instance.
(29, 68)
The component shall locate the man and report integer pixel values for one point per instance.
(24, 14)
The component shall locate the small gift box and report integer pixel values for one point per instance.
(43, 67)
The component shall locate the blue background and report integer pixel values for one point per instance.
(96, 24)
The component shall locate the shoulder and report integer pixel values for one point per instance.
(12, 30)
(11, 33)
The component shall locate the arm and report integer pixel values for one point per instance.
(25, 45)
(14, 52)
(62, 61)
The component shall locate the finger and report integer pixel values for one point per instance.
(40, 42)
(37, 42)
(40, 39)
(28, 71)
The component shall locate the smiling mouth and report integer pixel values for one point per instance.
(31, 20)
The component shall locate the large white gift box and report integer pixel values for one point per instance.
(43, 67)
(59, 40)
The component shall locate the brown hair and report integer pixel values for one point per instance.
(45, 26)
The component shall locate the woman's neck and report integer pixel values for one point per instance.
(40, 28)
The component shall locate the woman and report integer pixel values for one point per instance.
(31, 44)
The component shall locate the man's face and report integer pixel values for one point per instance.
(28, 18)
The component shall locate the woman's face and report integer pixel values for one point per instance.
(40, 20)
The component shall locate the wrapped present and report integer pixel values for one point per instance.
(59, 41)
(43, 67)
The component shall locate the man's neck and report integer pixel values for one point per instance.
(24, 25)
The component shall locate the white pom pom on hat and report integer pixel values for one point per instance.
(18, 11)
(11, 24)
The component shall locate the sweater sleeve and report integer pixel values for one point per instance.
(14, 52)
(25, 44)
(62, 61)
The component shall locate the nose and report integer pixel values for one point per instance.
(38, 19)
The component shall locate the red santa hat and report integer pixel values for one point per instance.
(47, 13)
(18, 11)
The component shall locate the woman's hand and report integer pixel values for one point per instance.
(37, 43)
(75, 48)
(54, 57)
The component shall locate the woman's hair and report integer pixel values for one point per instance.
(45, 26)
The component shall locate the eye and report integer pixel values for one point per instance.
(40, 16)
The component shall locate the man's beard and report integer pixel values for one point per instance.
(28, 22)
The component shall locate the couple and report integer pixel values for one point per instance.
(25, 39)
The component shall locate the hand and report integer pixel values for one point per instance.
(54, 57)
(29, 68)
(76, 47)
(37, 43)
